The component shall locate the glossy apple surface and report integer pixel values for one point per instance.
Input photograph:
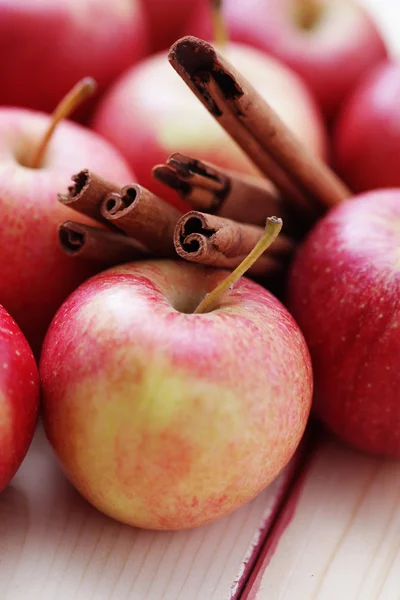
(35, 276)
(166, 18)
(165, 419)
(331, 44)
(19, 397)
(150, 113)
(367, 135)
(47, 46)
(344, 291)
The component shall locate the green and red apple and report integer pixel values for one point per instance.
(35, 275)
(166, 419)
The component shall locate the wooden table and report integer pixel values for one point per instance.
(334, 535)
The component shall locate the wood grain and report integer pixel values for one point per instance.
(339, 535)
(53, 545)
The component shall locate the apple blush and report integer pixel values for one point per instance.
(19, 393)
(151, 108)
(344, 292)
(36, 275)
(47, 46)
(165, 20)
(169, 401)
(366, 141)
(331, 44)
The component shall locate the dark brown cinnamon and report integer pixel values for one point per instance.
(219, 242)
(87, 193)
(299, 175)
(98, 245)
(222, 192)
(143, 216)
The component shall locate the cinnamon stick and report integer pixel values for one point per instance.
(144, 216)
(86, 194)
(222, 192)
(220, 242)
(299, 175)
(98, 245)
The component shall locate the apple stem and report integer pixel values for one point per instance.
(272, 230)
(307, 13)
(219, 27)
(82, 90)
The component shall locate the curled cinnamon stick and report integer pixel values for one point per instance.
(219, 242)
(86, 194)
(222, 192)
(144, 216)
(98, 245)
(299, 175)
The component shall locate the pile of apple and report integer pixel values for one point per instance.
(160, 417)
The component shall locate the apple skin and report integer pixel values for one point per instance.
(366, 139)
(167, 420)
(47, 46)
(35, 274)
(151, 107)
(19, 394)
(344, 291)
(166, 19)
(331, 57)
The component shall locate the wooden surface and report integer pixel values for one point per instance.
(54, 546)
(339, 535)
(336, 539)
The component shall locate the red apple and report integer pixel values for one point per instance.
(150, 107)
(367, 135)
(19, 392)
(166, 19)
(47, 46)
(344, 291)
(331, 44)
(166, 419)
(35, 275)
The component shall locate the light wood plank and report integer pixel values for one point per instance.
(339, 535)
(54, 545)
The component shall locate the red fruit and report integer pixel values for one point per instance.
(165, 19)
(19, 397)
(35, 275)
(367, 135)
(47, 46)
(166, 419)
(344, 292)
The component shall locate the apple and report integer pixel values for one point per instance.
(166, 19)
(47, 46)
(331, 44)
(150, 107)
(366, 139)
(19, 391)
(166, 419)
(344, 291)
(35, 274)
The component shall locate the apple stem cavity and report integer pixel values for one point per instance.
(307, 13)
(219, 26)
(80, 92)
(272, 230)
